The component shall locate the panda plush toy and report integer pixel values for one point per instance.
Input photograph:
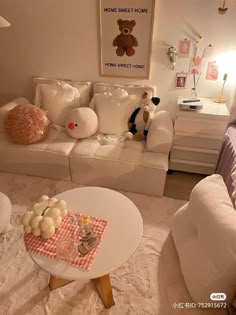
(141, 118)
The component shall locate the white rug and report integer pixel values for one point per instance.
(150, 282)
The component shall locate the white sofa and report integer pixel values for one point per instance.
(130, 166)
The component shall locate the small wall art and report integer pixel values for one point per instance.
(172, 54)
(212, 71)
(195, 65)
(181, 78)
(184, 48)
(126, 28)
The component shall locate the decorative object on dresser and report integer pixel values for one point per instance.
(191, 104)
(198, 137)
(221, 99)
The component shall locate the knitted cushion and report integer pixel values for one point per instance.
(26, 124)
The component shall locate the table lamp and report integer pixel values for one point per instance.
(3, 22)
(221, 99)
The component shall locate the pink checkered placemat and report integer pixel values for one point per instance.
(67, 230)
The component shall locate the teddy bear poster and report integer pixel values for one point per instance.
(126, 37)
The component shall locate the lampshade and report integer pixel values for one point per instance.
(3, 22)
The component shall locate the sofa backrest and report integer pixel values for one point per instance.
(84, 87)
(87, 89)
(131, 89)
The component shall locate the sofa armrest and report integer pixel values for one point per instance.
(7, 107)
(160, 134)
(13, 103)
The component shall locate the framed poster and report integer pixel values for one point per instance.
(126, 28)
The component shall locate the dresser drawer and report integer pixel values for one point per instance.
(200, 126)
(186, 166)
(194, 154)
(198, 141)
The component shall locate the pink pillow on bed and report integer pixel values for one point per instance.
(26, 124)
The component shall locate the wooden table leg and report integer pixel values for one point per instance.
(55, 282)
(103, 285)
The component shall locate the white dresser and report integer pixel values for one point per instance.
(198, 137)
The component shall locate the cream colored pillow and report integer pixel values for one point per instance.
(113, 113)
(117, 92)
(131, 89)
(85, 91)
(57, 99)
(84, 87)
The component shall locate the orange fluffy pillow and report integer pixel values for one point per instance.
(26, 124)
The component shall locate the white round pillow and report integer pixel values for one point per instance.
(81, 123)
(5, 213)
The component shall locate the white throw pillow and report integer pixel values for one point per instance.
(84, 87)
(117, 92)
(57, 99)
(204, 232)
(113, 113)
(85, 91)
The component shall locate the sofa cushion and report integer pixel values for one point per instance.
(115, 92)
(204, 232)
(48, 158)
(57, 99)
(123, 166)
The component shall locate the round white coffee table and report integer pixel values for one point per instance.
(120, 240)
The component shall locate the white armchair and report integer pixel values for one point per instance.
(204, 232)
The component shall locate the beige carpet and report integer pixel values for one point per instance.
(148, 283)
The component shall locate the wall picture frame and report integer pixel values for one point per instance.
(181, 78)
(212, 71)
(125, 37)
(184, 48)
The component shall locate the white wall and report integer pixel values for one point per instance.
(59, 38)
